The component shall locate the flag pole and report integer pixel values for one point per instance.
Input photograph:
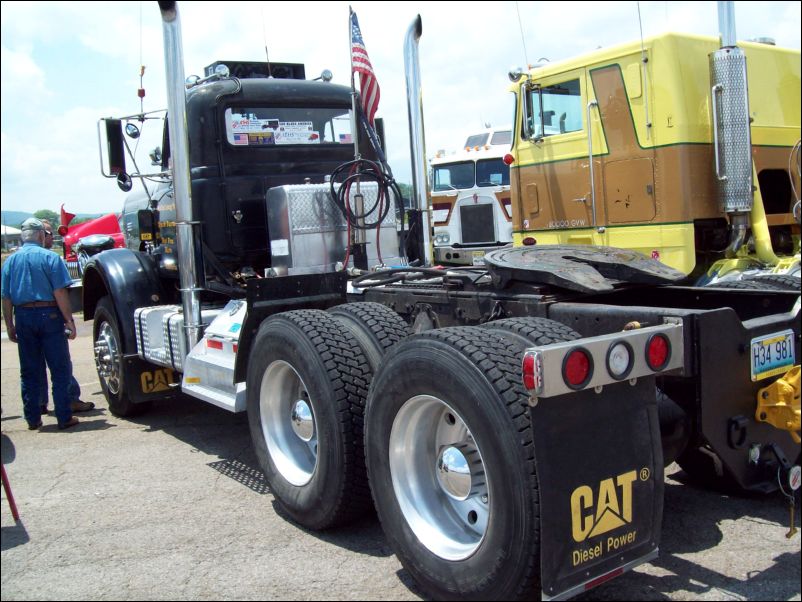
(354, 129)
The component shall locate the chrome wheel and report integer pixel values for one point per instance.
(439, 477)
(288, 423)
(107, 358)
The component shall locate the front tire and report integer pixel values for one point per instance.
(450, 457)
(306, 389)
(109, 362)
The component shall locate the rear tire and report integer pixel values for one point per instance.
(528, 332)
(450, 456)
(109, 361)
(306, 389)
(376, 327)
(783, 282)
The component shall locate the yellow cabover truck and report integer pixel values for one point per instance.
(682, 147)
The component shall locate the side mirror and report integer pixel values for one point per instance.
(124, 182)
(131, 131)
(115, 146)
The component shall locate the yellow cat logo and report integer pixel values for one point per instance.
(156, 381)
(612, 508)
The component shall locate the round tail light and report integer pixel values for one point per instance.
(577, 368)
(508, 159)
(620, 360)
(658, 352)
(62, 230)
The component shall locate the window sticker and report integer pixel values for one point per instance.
(297, 132)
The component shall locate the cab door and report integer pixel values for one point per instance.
(554, 169)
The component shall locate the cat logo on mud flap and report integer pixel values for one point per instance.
(611, 509)
(156, 381)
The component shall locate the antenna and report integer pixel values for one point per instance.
(523, 41)
(141, 91)
(264, 37)
(644, 60)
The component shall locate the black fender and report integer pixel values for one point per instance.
(131, 279)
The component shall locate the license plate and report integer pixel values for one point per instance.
(478, 258)
(772, 354)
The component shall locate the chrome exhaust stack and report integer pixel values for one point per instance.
(417, 144)
(187, 235)
(732, 139)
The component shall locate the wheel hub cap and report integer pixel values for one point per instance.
(454, 473)
(302, 422)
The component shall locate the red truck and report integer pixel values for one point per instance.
(88, 238)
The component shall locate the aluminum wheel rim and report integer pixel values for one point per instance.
(293, 451)
(107, 358)
(425, 432)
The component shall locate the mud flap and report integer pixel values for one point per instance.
(600, 471)
(148, 382)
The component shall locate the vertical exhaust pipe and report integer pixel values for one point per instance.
(188, 244)
(732, 139)
(420, 181)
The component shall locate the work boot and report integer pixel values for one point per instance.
(82, 406)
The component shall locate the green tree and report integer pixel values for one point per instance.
(49, 215)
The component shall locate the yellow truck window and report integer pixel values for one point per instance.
(562, 109)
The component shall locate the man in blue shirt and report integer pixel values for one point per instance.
(37, 312)
(75, 389)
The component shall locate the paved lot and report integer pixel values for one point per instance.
(172, 506)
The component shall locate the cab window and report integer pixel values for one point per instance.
(501, 137)
(453, 176)
(555, 109)
(492, 172)
(476, 140)
(275, 126)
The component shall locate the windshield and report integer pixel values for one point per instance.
(273, 126)
(492, 172)
(453, 176)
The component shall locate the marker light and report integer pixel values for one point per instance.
(529, 241)
(528, 369)
(619, 360)
(577, 368)
(508, 159)
(658, 352)
(62, 230)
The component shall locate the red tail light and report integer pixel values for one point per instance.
(529, 371)
(577, 368)
(508, 159)
(212, 344)
(658, 352)
(62, 230)
(529, 241)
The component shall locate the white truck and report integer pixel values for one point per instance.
(471, 202)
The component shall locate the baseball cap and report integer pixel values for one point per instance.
(32, 224)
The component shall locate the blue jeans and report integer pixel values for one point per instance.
(41, 338)
(74, 389)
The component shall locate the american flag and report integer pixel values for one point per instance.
(360, 63)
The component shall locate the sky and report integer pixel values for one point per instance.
(67, 64)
